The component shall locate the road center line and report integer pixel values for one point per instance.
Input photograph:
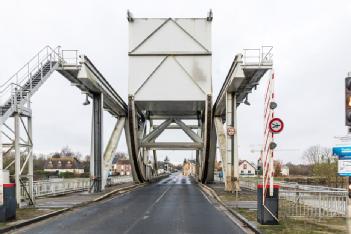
(148, 211)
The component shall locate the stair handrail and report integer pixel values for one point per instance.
(49, 51)
(25, 73)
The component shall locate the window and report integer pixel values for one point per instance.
(249, 171)
(245, 166)
(242, 172)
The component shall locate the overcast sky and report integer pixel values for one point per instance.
(312, 55)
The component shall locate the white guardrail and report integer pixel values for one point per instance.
(298, 200)
(62, 186)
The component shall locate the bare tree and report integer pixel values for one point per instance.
(66, 151)
(316, 154)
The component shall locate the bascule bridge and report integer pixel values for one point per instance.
(169, 87)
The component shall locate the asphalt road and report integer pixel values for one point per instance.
(173, 205)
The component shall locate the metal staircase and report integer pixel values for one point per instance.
(15, 95)
(16, 115)
(17, 90)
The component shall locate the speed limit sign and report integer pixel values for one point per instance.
(276, 125)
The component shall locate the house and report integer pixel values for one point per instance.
(218, 166)
(188, 167)
(285, 171)
(63, 164)
(121, 166)
(246, 168)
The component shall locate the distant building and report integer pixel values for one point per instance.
(121, 166)
(63, 164)
(166, 164)
(188, 167)
(246, 168)
(218, 166)
(160, 171)
(285, 171)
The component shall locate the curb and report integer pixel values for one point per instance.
(117, 191)
(55, 213)
(236, 214)
(33, 220)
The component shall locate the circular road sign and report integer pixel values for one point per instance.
(231, 131)
(276, 125)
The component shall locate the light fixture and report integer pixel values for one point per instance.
(273, 105)
(209, 15)
(272, 145)
(130, 16)
(86, 102)
(246, 102)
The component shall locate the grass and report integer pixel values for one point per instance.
(28, 213)
(297, 226)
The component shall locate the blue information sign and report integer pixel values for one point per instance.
(344, 151)
(344, 162)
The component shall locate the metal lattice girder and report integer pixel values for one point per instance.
(191, 126)
(173, 146)
(221, 138)
(111, 148)
(222, 143)
(84, 75)
(156, 132)
(188, 131)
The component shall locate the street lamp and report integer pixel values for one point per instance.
(86, 102)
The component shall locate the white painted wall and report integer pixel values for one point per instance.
(161, 72)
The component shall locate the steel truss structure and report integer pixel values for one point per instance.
(170, 84)
(170, 87)
(16, 95)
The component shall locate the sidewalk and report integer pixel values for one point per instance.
(51, 206)
(74, 199)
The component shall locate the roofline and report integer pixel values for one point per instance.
(247, 162)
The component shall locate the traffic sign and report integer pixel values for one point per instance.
(276, 125)
(342, 151)
(344, 167)
(230, 131)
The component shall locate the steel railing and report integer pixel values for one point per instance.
(15, 83)
(313, 204)
(297, 200)
(70, 58)
(310, 201)
(60, 186)
(258, 57)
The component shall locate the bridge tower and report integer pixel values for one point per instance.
(170, 86)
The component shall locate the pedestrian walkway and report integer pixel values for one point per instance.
(247, 198)
(74, 199)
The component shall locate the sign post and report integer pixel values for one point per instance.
(344, 169)
(344, 159)
(267, 192)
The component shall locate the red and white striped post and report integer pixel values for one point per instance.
(267, 152)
